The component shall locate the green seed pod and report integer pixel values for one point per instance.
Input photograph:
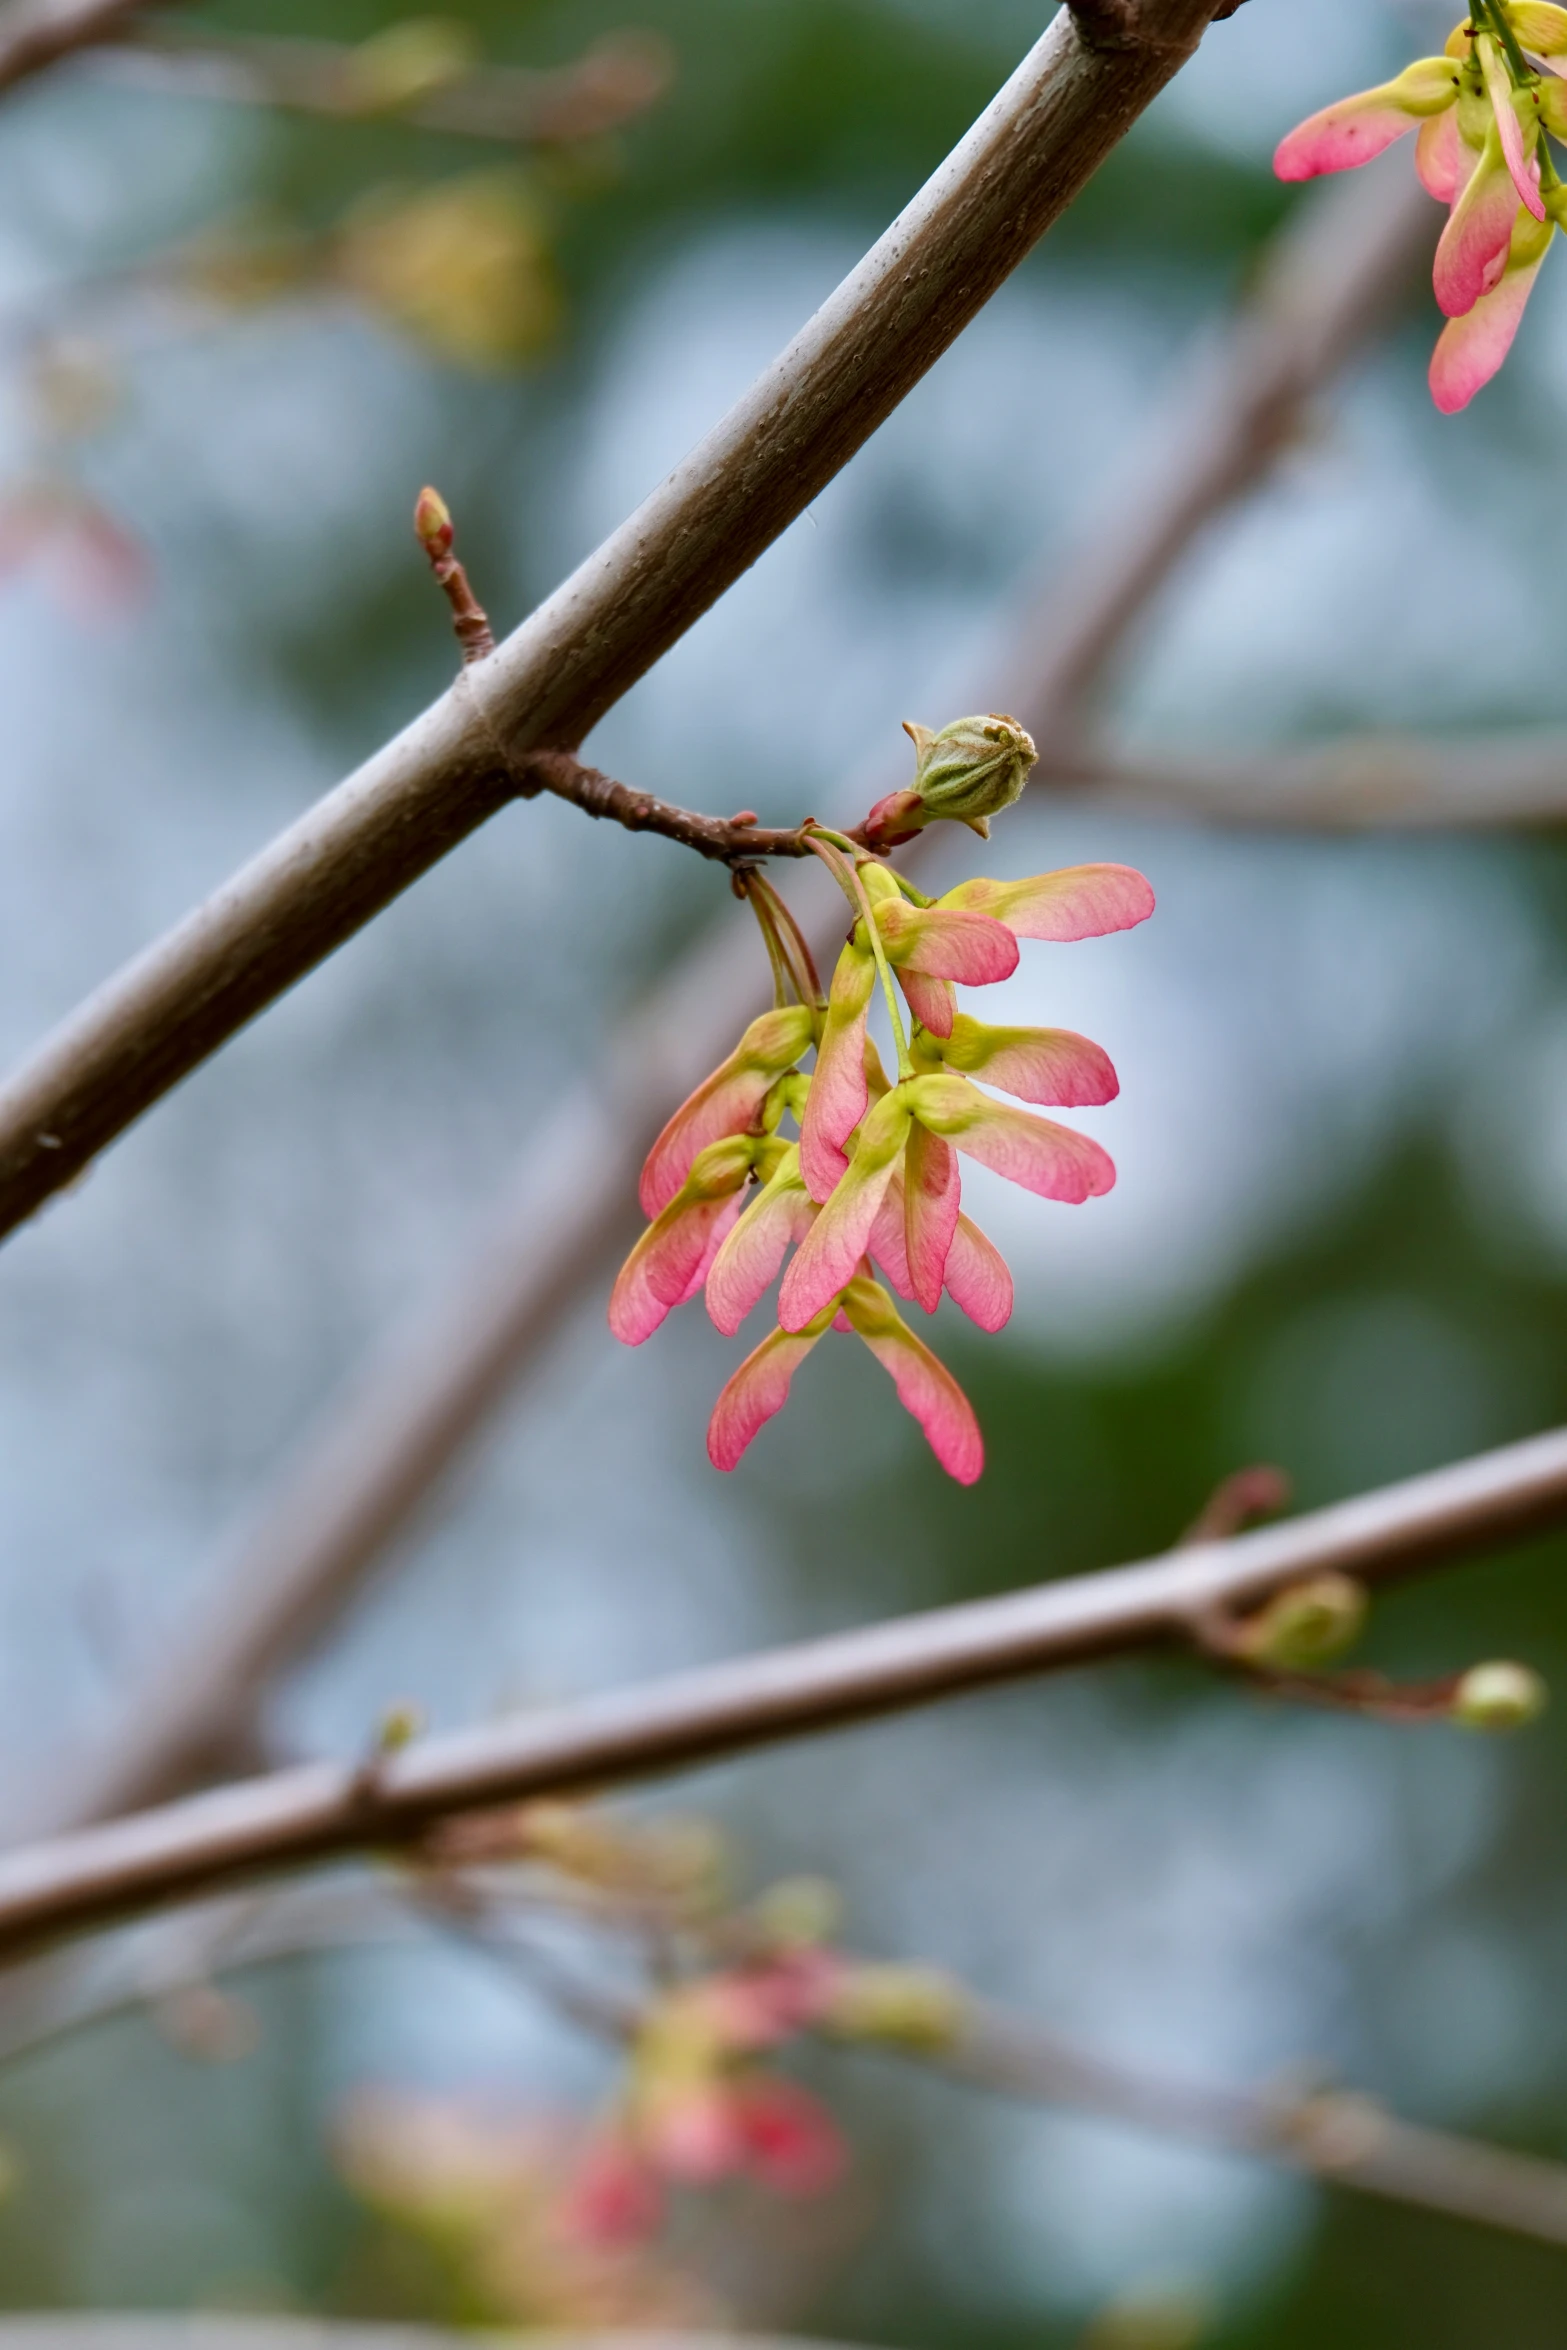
(1500, 1696)
(972, 769)
(1306, 1625)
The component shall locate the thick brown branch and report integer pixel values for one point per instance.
(1015, 172)
(312, 1813)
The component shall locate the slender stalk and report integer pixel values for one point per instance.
(795, 942)
(745, 887)
(847, 874)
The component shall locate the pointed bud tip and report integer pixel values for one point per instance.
(1499, 1696)
(433, 522)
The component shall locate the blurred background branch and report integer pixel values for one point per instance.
(38, 33)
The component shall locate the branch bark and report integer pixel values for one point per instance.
(1013, 174)
(387, 1440)
(317, 1811)
(38, 33)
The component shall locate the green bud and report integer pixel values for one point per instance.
(910, 2006)
(972, 769)
(1306, 1625)
(1499, 1696)
(399, 1726)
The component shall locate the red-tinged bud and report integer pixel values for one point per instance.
(895, 819)
(433, 524)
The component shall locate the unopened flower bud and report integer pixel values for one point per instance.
(971, 769)
(433, 523)
(1306, 1625)
(1499, 1696)
(797, 1913)
(399, 1726)
(910, 2006)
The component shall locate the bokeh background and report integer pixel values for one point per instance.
(1339, 1241)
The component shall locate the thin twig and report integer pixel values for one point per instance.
(615, 81)
(986, 207)
(727, 839)
(314, 1812)
(396, 1429)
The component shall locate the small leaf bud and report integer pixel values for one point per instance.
(433, 523)
(1498, 1696)
(910, 2006)
(1306, 1625)
(972, 768)
(797, 1912)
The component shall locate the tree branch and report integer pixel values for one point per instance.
(727, 839)
(320, 1810)
(395, 1430)
(1366, 783)
(319, 882)
(38, 33)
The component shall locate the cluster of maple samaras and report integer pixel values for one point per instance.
(1484, 107)
(872, 1182)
